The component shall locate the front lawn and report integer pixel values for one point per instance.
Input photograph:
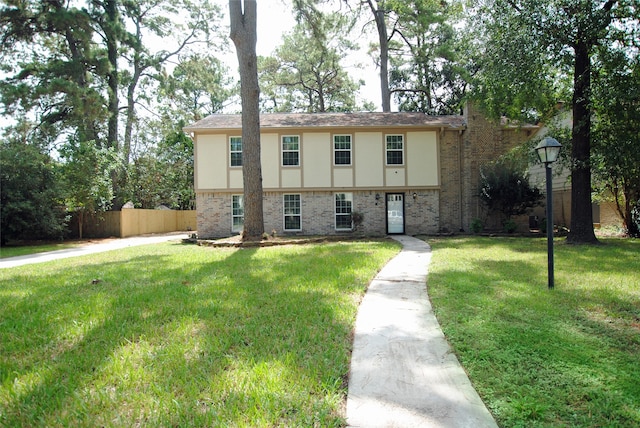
(23, 250)
(180, 335)
(541, 358)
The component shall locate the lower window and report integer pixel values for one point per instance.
(292, 212)
(237, 213)
(344, 207)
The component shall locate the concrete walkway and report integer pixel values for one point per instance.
(90, 249)
(403, 373)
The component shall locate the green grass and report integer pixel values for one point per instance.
(538, 357)
(23, 250)
(180, 335)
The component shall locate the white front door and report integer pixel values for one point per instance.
(395, 213)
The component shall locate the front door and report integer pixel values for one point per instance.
(395, 213)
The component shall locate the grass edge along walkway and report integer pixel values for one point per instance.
(565, 357)
(183, 335)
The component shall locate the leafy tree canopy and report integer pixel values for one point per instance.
(616, 135)
(534, 54)
(30, 207)
(305, 73)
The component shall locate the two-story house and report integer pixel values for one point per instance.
(407, 173)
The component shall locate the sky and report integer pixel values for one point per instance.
(275, 18)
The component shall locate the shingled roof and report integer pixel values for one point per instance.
(330, 120)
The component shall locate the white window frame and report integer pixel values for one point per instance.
(341, 150)
(339, 211)
(286, 213)
(232, 152)
(237, 215)
(283, 151)
(387, 150)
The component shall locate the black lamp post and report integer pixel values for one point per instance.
(548, 150)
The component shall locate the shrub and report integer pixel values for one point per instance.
(357, 218)
(509, 226)
(30, 207)
(476, 225)
(505, 189)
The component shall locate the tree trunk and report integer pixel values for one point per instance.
(629, 224)
(381, 25)
(86, 129)
(581, 215)
(131, 116)
(80, 222)
(131, 109)
(243, 34)
(111, 28)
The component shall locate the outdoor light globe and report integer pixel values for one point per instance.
(548, 150)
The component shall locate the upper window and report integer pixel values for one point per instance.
(292, 212)
(342, 149)
(291, 150)
(237, 213)
(344, 207)
(235, 148)
(395, 150)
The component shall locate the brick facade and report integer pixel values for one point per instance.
(464, 144)
(317, 213)
(462, 154)
(484, 142)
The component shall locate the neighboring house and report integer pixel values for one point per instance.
(407, 173)
(604, 213)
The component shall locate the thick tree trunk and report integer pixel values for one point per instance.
(243, 15)
(384, 56)
(628, 222)
(581, 215)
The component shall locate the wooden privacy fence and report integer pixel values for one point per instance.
(134, 222)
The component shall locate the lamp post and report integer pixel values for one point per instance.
(548, 150)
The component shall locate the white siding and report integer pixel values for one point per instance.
(368, 158)
(395, 177)
(270, 158)
(316, 159)
(212, 161)
(422, 158)
(343, 177)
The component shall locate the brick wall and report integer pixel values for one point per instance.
(421, 213)
(451, 208)
(483, 142)
(214, 215)
(450, 204)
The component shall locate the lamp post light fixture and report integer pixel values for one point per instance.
(548, 150)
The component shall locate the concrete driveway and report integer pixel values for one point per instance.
(91, 248)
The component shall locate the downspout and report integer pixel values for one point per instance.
(460, 178)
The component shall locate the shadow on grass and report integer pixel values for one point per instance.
(160, 339)
(564, 357)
